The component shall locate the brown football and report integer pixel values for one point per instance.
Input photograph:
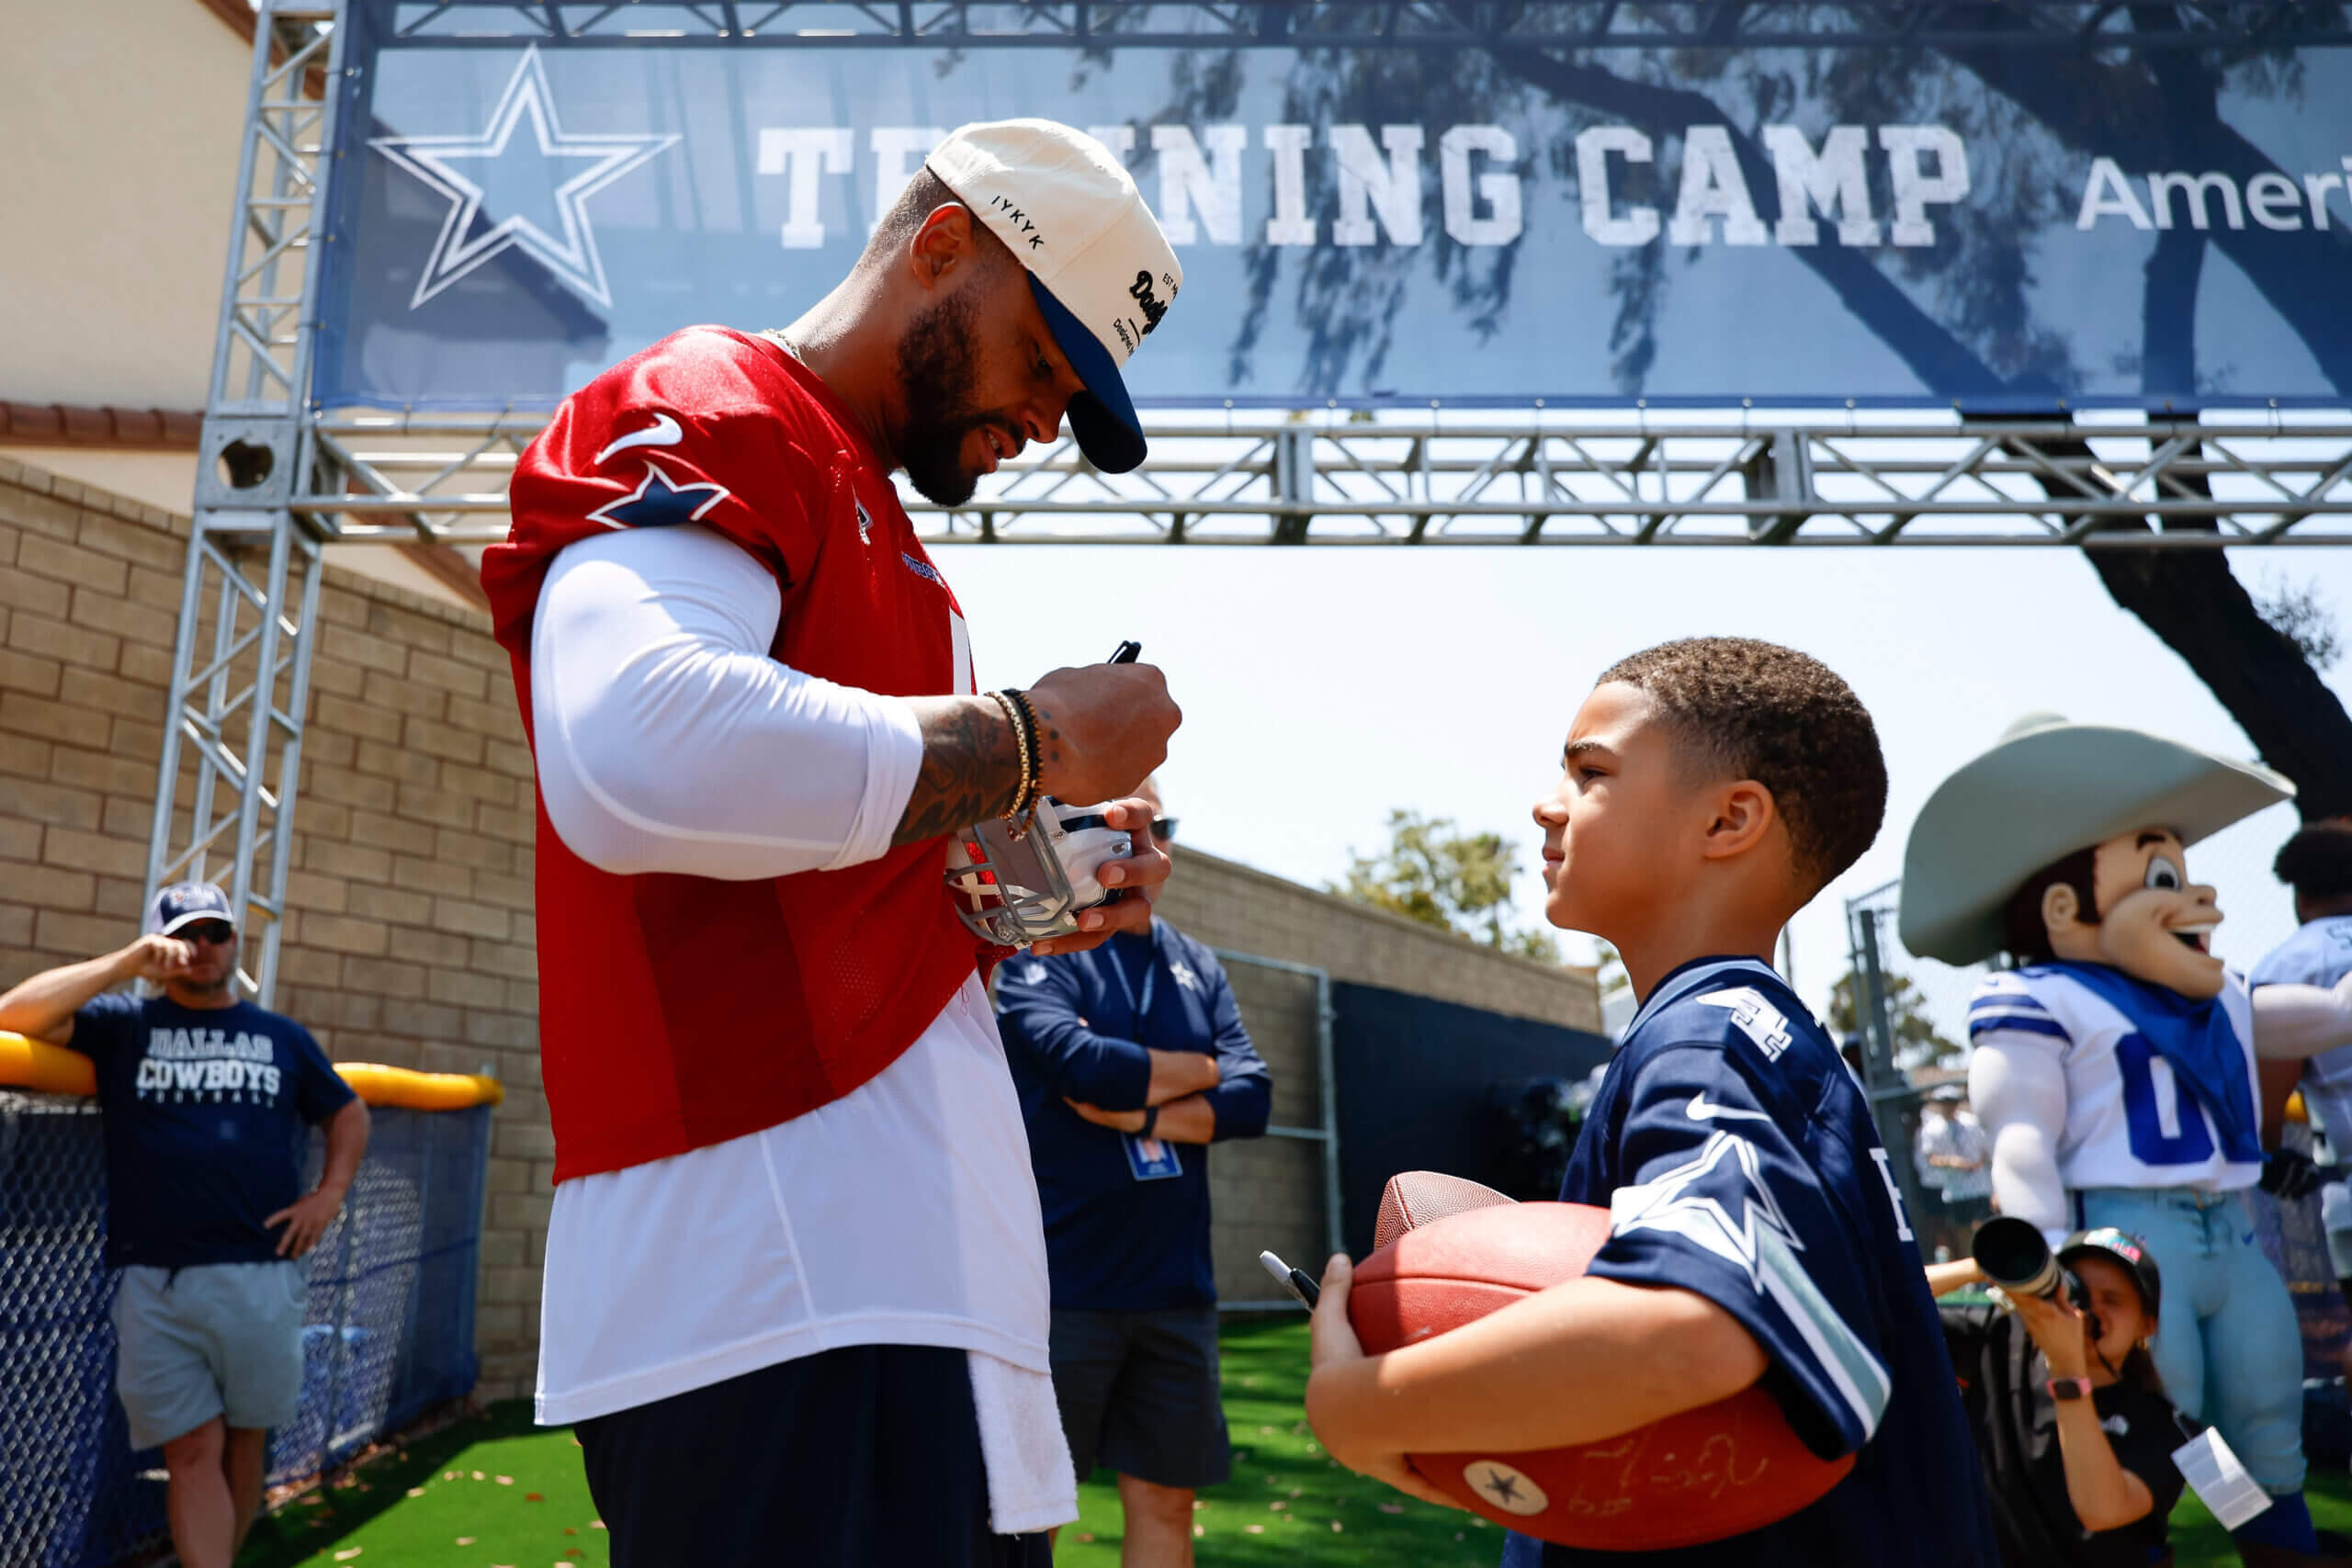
(1704, 1474)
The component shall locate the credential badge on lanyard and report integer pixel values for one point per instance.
(1149, 1159)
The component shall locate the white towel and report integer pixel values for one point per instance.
(1033, 1485)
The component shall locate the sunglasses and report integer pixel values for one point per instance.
(1164, 828)
(212, 932)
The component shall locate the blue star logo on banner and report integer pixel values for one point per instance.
(487, 177)
(657, 502)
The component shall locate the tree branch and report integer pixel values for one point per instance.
(2169, 119)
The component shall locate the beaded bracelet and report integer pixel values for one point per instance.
(1037, 784)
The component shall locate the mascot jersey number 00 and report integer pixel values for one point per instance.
(2113, 1067)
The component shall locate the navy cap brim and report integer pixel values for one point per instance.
(1103, 417)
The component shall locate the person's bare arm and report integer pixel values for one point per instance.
(43, 1006)
(2279, 1079)
(1101, 731)
(1192, 1120)
(307, 1217)
(1175, 1074)
(1943, 1279)
(2105, 1495)
(1177, 1077)
(972, 767)
(1575, 1364)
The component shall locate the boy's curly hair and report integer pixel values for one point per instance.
(1746, 709)
(2317, 862)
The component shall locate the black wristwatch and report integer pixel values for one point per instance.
(1150, 1120)
(2069, 1388)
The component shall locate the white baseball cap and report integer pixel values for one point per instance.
(1102, 271)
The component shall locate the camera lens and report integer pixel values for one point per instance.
(2015, 1256)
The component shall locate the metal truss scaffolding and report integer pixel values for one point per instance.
(279, 477)
(1348, 24)
(241, 663)
(1526, 478)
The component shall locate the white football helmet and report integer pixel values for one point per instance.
(1016, 890)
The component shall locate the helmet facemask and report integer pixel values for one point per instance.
(1015, 883)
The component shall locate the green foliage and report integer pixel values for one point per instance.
(1916, 1042)
(2297, 612)
(1456, 881)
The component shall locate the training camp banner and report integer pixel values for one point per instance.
(2009, 230)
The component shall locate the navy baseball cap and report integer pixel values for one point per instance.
(1102, 271)
(185, 903)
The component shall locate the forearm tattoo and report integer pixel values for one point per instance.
(971, 768)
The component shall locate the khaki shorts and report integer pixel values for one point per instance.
(219, 1340)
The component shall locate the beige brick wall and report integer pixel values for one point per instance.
(1232, 905)
(1270, 1193)
(410, 936)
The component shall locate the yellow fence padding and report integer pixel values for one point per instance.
(53, 1069)
(33, 1064)
(381, 1085)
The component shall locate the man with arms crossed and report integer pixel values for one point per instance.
(1131, 1060)
(205, 1098)
(796, 1293)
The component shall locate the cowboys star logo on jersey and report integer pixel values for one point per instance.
(659, 501)
(1669, 1203)
(1685, 1202)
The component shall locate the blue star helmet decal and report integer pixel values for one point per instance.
(657, 502)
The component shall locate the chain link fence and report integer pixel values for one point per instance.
(389, 1330)
(1905, 1019)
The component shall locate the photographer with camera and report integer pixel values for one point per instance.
(2072, 1423)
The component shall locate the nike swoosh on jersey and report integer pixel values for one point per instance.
(663, 431)
(1700, 1109)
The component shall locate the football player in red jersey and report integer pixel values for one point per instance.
(794, 1300)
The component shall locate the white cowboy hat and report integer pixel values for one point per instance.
(2049, 789)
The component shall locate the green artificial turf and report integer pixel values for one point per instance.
(495, 1491)
(490, 1492)
(1287, 1503)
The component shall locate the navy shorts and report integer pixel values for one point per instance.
(865, 1457)
(1138, 1392)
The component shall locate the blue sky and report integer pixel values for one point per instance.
(1322, 687)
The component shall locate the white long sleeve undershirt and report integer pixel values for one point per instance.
(669, 739)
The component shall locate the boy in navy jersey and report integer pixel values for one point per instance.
(1711, 787)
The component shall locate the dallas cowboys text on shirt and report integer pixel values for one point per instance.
(200, 1062)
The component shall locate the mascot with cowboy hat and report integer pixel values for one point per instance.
(2113, 1069)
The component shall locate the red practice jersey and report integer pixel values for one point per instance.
(679, 1012)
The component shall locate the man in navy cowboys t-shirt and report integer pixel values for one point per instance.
(207, 1101)
(1710, 788)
